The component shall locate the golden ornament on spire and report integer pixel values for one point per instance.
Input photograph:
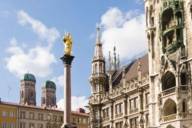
(68, 43)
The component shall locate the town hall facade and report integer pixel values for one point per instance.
(155, 90)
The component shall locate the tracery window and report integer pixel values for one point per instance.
(168, 81)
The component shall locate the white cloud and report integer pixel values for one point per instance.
(76, 101)
(112, 18)
(35, 59)
(125, 30)
(59, 80)
(44, 33)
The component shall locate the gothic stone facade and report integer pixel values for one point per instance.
(120, 96)
(169, 27)
(155, 90)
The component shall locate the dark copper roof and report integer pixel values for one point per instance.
(133, 70)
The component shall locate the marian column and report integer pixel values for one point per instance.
(67, 60)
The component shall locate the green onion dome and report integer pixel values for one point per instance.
(28, 77)
(50, 84)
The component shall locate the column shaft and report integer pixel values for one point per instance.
(67, 94)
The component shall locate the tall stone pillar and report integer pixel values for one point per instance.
(67, 60)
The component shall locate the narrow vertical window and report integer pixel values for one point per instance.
(184, 106)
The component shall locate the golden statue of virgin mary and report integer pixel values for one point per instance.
(68, 43)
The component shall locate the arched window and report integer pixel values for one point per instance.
(95, 68)
(183, 75)
(183, 78)
(100, 67)
(167, 18)
(179, 18)
(169, 108)
(152, 44)
(149, 39)
(151, 16)
(168, 81)
(189, 74)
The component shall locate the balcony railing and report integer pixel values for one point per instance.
(183, 88)
(169, 117)
(168, 91)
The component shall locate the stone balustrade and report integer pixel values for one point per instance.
(169, 117)
(168, 91)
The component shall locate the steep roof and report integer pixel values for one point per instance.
(131, 70)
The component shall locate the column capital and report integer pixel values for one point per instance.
(67, 59)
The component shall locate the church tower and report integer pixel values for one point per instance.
(48, 98)
(98, 80)
(27, 90)
(169, 28)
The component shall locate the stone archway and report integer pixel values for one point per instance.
(169, 110)
(169, 107)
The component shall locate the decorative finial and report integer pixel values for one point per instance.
(139, 65)
(114, 49)
(109, 61)
(98, 36)
(118, 62)
(115, 58)
(68, 43)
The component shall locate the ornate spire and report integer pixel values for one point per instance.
(114, 58)
(118, 62)
(139, 65)
(139, 70)
(114, 62)
(98, 48)
(98, 35)
(110, 61)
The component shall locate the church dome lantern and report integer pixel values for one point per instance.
(28, 77)
(50, 84)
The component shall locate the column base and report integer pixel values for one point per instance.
(68, 126)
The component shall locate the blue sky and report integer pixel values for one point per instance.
(31, 40)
